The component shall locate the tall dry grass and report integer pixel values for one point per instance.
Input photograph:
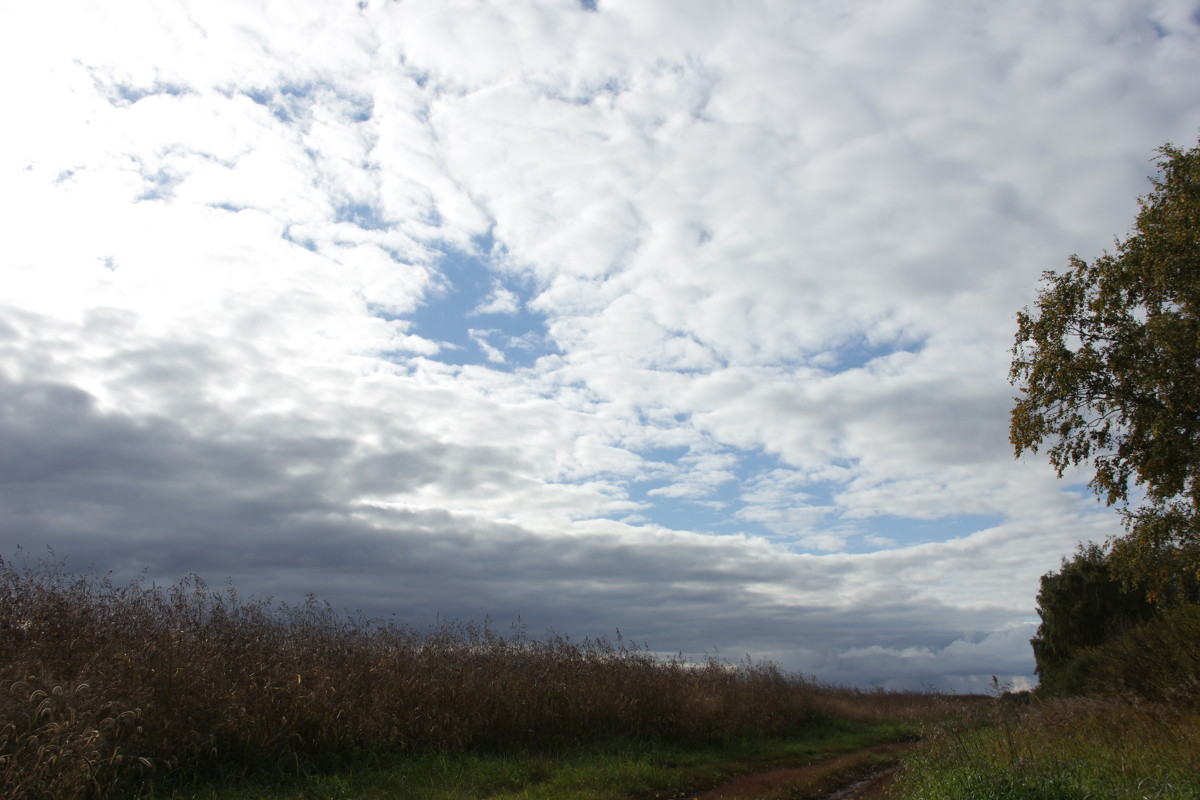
(105, 686)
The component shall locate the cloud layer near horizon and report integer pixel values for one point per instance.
(690, 319)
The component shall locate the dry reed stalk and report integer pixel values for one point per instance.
(104, 685)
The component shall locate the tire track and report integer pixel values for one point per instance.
(850, 776)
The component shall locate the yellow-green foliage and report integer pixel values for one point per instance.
(1106, 365)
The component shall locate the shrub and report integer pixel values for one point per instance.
(1159, 660)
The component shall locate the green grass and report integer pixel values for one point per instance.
(615, 772)
(1093, 748)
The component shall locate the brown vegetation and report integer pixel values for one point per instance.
(104, 686)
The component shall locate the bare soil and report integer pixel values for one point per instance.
(860, 775)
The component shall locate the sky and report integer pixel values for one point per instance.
(685, 318)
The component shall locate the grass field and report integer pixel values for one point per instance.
(188, 692)
(1085, 747)
(609, 772)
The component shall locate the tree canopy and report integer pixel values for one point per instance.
(1081, 606)
(1108, 368)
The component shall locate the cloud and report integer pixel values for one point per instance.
(688, 319)
(500, 301)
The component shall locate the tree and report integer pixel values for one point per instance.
(1108, 367)
(1082, 606)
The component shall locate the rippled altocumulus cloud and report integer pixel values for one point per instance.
(690, 319)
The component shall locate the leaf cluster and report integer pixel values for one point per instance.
(1108, 362)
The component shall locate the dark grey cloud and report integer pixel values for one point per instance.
(127, 494)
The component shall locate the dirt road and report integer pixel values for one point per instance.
(854, 776)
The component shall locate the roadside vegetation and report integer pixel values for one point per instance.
(1100, 748)
(1108, 368)
(132, 690)
(167, 693)
(1116, 713)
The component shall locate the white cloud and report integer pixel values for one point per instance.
(500, 301)
(776, 250)
(480, 337)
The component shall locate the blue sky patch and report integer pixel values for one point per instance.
(159, 185)
(481, 315)
(289, 104)
(293, 101)
(859, 351)
(762, 500)
(710, 512)
(906, 531)
(364, 215)
(124, 95)
(307, 244)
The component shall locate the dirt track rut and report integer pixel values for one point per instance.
(851, 776)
